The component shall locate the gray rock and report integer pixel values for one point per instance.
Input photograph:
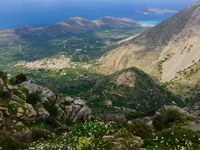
(26, 113)
(82, 115)
(79, 102)
(42, 113)
(1, 82)
(75, 110)
(1, 117)
(67, 100)
(46, 94)
(68, 108)
(4, 111)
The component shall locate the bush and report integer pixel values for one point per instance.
(51, 121)
(33, 98)
(52, 109)
(167, 118)
(20, 78)
(40, 134)
(7, 143)
(141, 129)
(135, 115)
(5, 95)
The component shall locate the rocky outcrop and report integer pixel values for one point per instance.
(26, 112)
(67, 108)
(46, 95)
(126, 78)
(74, 109)
(1, 82)
(17, 112)
(42, 113)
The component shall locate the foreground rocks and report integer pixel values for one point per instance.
(18, 114)
(67, 108)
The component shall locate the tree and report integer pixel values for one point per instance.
(21, 78)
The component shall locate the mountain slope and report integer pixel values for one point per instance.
(80, 25)
(77, 38)
(130, 89)
(163, 50)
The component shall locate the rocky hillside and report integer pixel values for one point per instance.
(130, 89)
(33, 117)
(27, 108)
(163, 50)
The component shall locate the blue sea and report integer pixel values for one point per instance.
(17, 13)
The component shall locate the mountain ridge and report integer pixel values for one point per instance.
(79, 25)
(153, 51)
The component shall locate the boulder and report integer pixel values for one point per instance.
(1, 118)
(4, 111)
(1, 82)
(26, 113)
(42, 113)
(46, 95)
(75, 109)
(82, 115)
(15, 97)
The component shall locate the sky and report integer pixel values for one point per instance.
(17, 13)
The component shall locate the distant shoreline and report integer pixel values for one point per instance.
(145, 22)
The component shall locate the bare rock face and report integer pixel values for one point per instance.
(3, 113)
(126, 78)
(27, 113)
(1, 82)
(162, 51)
(1, 118)
(67, 108)
(42, 113)
(75, 109)
(18, 112)
(46, 94)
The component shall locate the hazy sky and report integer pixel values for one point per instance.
(15, 13)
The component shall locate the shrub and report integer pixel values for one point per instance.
(7, 143)
(5, 95)
(20, 78)
(33, 98)
(167, 118)
(141, 129)
(52, 109)
(51, 121)
(40, 134)
(135, 115)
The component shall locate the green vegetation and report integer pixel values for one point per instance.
(83, 47)
(21, 78)
(144, 96)
(167, 119)
(140, 129)
(174, 138)
(33, 98)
